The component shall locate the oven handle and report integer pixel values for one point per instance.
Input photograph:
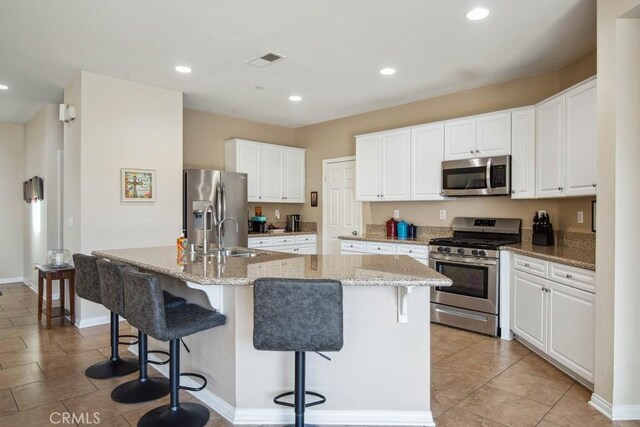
(488, 177)
(460, 314)
(465, 260)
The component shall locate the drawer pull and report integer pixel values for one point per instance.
(378, 247)
(569, 276)
(526, 264)
(410, 251)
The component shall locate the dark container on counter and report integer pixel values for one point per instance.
(392, 228)
(542, 231)
(258, 224)
(413, 231)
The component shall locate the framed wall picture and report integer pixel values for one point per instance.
(314, 198)
(138, 185)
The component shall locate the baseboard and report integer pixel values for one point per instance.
(601, 405)
(11, 280)
(279, 416)
(34, 288)
(94, 321)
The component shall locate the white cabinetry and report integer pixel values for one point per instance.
(383, 166)
(303, 244)
(566, 143)
(523, 153)
(581, 140)
(552, 315)
(418, 252)
(478, 136)
(275, 173)
(427, 154)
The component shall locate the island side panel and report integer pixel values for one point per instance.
(384, 365)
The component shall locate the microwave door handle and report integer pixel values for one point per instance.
(488, 177)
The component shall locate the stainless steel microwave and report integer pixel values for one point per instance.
(485, 176)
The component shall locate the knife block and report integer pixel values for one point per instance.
(543, 237)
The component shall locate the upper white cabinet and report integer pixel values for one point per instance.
(523, 153)
(493, 134)
(566, 143)
(460, 139)
(382, 166)
(581, 140)
(427, 154)
(275, 173)
(478, 136)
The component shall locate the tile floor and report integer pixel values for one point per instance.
(476, 380)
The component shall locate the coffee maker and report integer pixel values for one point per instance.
(293, 223)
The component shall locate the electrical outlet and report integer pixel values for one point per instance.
(396, 213)
(580, 217)
(443, 214)
(277, 213)
(540, 213)
(70, 222)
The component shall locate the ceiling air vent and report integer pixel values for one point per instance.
(265, 59)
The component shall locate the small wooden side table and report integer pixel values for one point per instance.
(49, 274)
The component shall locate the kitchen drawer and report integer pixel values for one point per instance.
(572, 276)
(281, 248)
(259, 242)
(381, 248)
(534, 266)
(414, 251)
(353, 246)
(283, 240)
(307, 238)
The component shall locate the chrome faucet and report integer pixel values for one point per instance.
(221, 241)
(205, 242)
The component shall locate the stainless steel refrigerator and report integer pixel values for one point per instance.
(226, 192)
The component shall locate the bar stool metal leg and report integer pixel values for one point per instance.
(116, 366)
(145, 388)
(175, 413)
(299, 388)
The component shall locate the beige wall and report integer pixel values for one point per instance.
(205, 133)
(121, 124)
(42, 223)
(11, 204)
(336, 139)
(617, 367)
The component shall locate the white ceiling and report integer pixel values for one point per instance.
(334, 49)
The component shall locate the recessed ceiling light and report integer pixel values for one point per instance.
(183, 69)
(4, 87)
(295, 98)
(477, 14)
(388, 71)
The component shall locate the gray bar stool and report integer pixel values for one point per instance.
(298, 315)
(144, 388)
(88, 287)
(145, 310)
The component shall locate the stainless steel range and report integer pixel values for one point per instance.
(471, 258)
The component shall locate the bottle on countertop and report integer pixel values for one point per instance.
(181, 243)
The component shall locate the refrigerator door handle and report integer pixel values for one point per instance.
(223, 210)
(218, 207)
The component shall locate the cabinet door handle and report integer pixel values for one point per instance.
(526, 264)
(513, 191)
(477, 151)
(559, 188)
(595, 185)
(569, 276)
(471, 151)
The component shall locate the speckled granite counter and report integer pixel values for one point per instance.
(422, 240)
(575, 257)
(286, 233)
(351, 270)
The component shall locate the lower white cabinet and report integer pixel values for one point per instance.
(418, 252)
(303, 244)
(556, 318)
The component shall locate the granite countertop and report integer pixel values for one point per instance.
(422, 240)
(286, 233)
(575, 257)
(351, 270)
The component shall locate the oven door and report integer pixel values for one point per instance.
(475, 282)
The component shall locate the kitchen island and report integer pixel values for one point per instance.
(381, 376)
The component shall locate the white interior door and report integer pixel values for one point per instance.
(341, 213)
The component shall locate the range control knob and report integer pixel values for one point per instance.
(482, 253)
(447, 250)
(474, 252)
(461, 251)
(440, 249)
